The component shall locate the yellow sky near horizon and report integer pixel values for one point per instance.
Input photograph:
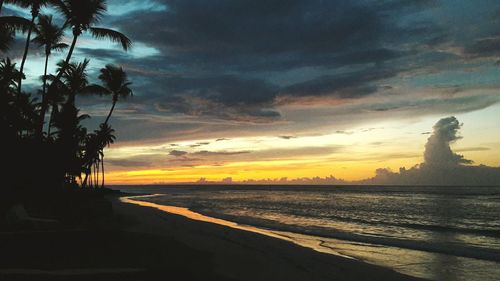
(351, 155)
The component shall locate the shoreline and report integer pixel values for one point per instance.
(193, 215)
(245, 252)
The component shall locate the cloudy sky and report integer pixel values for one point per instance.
(299, 88)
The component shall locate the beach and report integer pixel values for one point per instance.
(142, 243)
(243, 255)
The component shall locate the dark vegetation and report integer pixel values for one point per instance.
(53, 165)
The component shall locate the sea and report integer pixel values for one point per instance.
(439, 233)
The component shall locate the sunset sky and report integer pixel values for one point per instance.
(298, 88)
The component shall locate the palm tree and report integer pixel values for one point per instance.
(81, 16)
(73, 82)
(35, 6)
(48, 36)
(8, 26)
(106, 138)
(10, 117)
(9, 75)
(74, 78)
(70, 136)
(6, 37)
(55, 98)
(115, 83)
(94, 154)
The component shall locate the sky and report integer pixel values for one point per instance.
(256, 90)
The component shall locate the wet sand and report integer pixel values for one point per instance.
(144, 243)
(242, 255)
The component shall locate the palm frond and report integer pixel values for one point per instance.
(95, 89)
(59, 47)
(112, 35)
(15, 23)
(62, 8)
(20, 3)
(6, 37)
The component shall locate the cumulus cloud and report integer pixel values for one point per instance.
(437, 150)
(441, 165)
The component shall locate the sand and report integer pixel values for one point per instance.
(242, 255)
(143, 243)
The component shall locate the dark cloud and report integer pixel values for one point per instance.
(128, 163)
(103, 53)
(177, 153)
(487, 47)
(222, 28)
(346, 85)
(468, 149)
(227, 90)
(218, 153)
(208, 40)
(199, 144)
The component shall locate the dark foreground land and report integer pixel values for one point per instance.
(141, 243)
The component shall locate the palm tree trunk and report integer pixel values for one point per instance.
(90, 179)
(97, 172)
(52, 114)
(111, 111)
(45, 74)
(84, 183)
(44, 99)
(102, 167)
(25, 55)
(68, 57)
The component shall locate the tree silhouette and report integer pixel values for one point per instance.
(9, 76)
(115, 83)
(8, 26)
(80, 16)
(6, 37)
(94, 157)
(48, 36)
(35, 6)
(74, 77)
(75, 151)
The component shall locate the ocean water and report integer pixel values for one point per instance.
(440, 233)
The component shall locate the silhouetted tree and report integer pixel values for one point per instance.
(6, 37)
(75, 151)
(35, 6)
(115, 83)
(80, 16)
(48, 36)
(74, 77)
(8, 26)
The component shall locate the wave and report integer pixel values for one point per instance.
(495, 233)
(454, 249)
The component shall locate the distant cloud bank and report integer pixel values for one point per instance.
(441, 167)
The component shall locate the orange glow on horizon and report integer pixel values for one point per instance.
(350, 155)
